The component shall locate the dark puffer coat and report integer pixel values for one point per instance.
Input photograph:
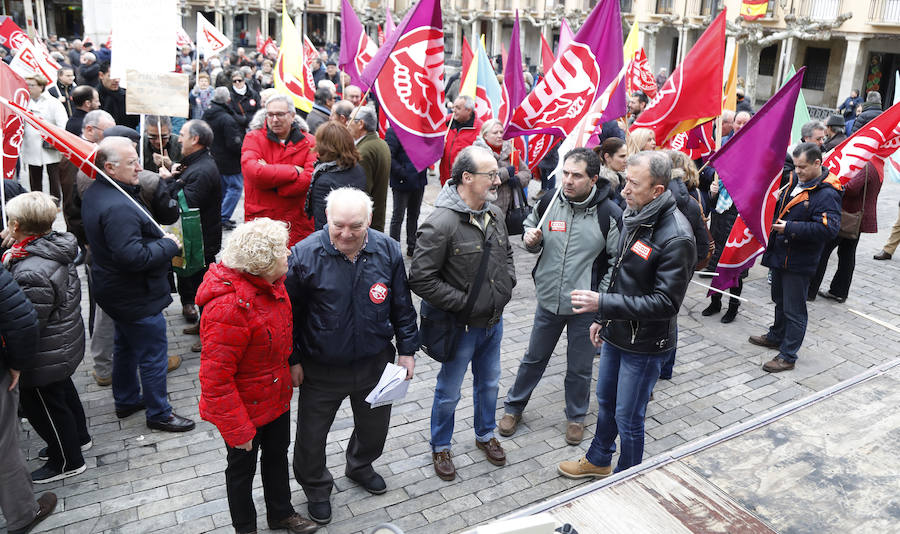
(246, 330)
(325, 182)
(50, 281)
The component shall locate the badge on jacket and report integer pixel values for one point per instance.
(378, 292)
(557, 226)
(641, 249)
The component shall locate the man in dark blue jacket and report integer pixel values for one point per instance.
(350, 298)
(809, 216)
(131, 258)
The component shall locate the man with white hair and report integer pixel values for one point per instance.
(375, 159)
(350, 297)
(353, 94)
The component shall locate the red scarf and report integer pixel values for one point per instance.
(17, 252)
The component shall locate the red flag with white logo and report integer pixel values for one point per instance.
(639, 76)
(13, 88)
(875, 142)
(260, 44)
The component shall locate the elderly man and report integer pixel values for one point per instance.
(84, 100)
(727, 125)
(277, 162)
(463, 227)
(353, 94)
(161, 149)
(88, 69)
(636, 320)
(341, 111)
(464, 130)
(226, 151)
(321, 109)
(375, 159)
(740, 120)
(809, 216)
(131, 258)
(834, 132)
(350, 298)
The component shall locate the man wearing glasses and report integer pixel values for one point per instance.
(463, 226)
(244, 100)
(161, 149)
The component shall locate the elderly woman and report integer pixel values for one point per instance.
(337, 166)
(42, 262)
(508, 160)
(245, 380)
(33, 152)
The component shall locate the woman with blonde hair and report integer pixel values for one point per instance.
(509, 162)
(641, 139)
(34, 154)
(245, 381)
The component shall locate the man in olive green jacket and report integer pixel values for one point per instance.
(375, 159)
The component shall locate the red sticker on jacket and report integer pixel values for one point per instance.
(641, 249)
(252, 102)
(557, 226)
(378, 292)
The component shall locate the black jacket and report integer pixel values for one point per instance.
(131, 259)
(56, 90)
(244, 106)
(18, 326)
(324, 182)
(227, 138)
(75, 124)
(50, 281)
(89, 74)
(202, 185)
(113, 102)
(404, 176)
(870, 110)
(690, 208)
(346, 312)
(833, 141)
(639, 312)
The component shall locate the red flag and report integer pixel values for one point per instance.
(260, 44)
(380, 36)
(547, 58)
(689, 93)
(382, 125)
(874, 142)
(696, 143)
(270, 48)
(467, 56)
(109, 40)
(72, 147)
(13, 88)
(639, 77)
(539, 146)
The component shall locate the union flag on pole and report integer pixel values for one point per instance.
(488, 94)
(696, 143)
(693, 93)
(270, 48)
(874, 142)
(13, 88)
(638, 75)
(210, 41)
(357, 49)
(590, 64)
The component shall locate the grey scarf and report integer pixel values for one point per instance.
(632, 219)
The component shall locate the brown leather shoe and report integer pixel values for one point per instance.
(46, 505)
(583, 469)
(102, 380)
(508, 424)
(197, 347)
(574, 433)
(443, 465)
(174, 363)
(493, 451)
(295, 523)
(882, 255)
(763, 341)
(777, 365)
(193, 330)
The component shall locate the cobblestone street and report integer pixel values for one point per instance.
(140, 480)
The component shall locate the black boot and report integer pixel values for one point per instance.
(729, 316)
(714, 306)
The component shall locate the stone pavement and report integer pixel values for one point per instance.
(145, 481)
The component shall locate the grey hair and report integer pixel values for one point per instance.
(659, 163)
(344, 108)
(806, 131)
(108, 150)
(469, 101)
(727, 115)
(255, 247)
(93, 118)
(465, 162)
(323, 95)
(366, 115)
(221, 95)
(349, 195)
(327, 83)
(200, 130)
(162, 120)
(281, 98)
(873, 96)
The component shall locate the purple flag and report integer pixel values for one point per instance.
(389, 25)
(754, 188)
(513, 78)
(357, 49)
(582, 72)
(408, 76)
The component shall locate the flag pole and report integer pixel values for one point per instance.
(162, 148)
(197, 75)
(3, 184)
(141, 147)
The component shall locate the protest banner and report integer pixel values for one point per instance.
(157, 93)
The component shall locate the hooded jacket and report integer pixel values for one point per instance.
(227, 137)
(448, 249)
(245, 380)
(50, 281)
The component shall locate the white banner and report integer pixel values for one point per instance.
(144, 36)
(157, 94)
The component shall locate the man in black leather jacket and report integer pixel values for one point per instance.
(636, 319)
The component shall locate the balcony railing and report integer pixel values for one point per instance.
(821, 9)
(884, 12)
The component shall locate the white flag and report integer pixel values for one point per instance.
(210, 41)
(182, 38)
(30, 60)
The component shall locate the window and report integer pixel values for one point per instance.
(664, 6)
(768, 58)
(816, 61)
(625, 6)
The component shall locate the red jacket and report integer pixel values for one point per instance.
(458, 138)
(853, 200)
(276, 190)
(247, 334)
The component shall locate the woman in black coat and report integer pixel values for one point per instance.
(408, 188)
(226, 150)
(337, 166)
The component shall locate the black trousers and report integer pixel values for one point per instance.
(324, 389)
(736, 291)
(273, 440)
(407, 203)
(188, 285)
(36, 179)
(840, 284)
(56, 414)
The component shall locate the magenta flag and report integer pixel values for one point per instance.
(513, 78)
(408, 76)
(357, 49)
(753, 187)
(582, 72)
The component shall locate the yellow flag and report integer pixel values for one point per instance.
(289, 67)
(470, 82)
(631, 43)
(731, 85)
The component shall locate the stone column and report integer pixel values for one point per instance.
(650, 47)
(329, 27)
(852, 70)
(496, 30)
(457, 39)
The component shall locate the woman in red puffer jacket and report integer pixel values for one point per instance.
(245, 379)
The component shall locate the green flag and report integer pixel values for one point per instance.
(801, 112)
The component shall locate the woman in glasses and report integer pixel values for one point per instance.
(244, 100)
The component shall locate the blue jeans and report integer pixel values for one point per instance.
(481, 346)
(579, 362)
(624, 383)
(789, 292)
(232, 187)
(141, 349)
(669, 364)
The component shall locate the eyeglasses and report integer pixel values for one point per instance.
(238, 80)
(277, 114)
(491, 174)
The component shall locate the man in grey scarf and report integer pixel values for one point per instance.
(636, 320)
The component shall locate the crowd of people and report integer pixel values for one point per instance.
(309, 291)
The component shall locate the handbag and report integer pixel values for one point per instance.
(439, 329)
(518, 211)
(192, 258)
(851, 222)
